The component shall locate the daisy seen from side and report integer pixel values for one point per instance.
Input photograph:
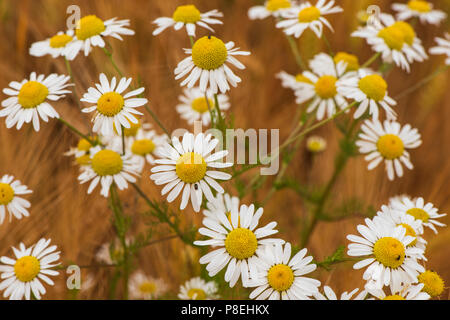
(55, 46)
(424, 10)
(144, 287)
(198, 289)
(270, 8)
(443, 47)
(406, 292)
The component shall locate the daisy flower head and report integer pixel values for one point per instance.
(443, 47)
(328, 294)
(195, 106)
(239, 241)
(190, 17)
(316, 144)
(395, 40)
(351, 60)
(112, 253)
(307, 16)
(10, 200)
(419, 9)
(28, 99)
(23, 275)
(113, 110)
(433, 283)
(406, 292)
(386, 254)
(144, 287)
(207, 63)
(198, 289)
(389, 142)
(55, 46)
(81, 151)
(270, 8)
(223, 203)
(183, 168)
(421, 211)
(290, 81)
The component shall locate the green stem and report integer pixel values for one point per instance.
(157, 120)
(330, 49)
(123, 140)
(73, 129)
(296, 52)
(109, 55)
(371, 60)
(191, 38)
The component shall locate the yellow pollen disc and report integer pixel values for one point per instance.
(107, 163)
(143, 147)
(393, 37)
(131, 131)
(308, 14)
(389, 251)
(209, 53)
(394, 297)
(27, 268)
(89, 26)
(6, 193)
(420, 6)
(418, 214)
(374, 86)
(280, 277)
(147, 287)
(275, 5)
(325, 87)
(201, 105)
(241, 243)
(83, 160)
(410, 232)
(433, 283)
(191, 167)
(390, 146)
(32, 94)
(351, 60)
(408, 32)
(301, 78)
(315, 146)
(84, 145)
(60, 40)
(198, 293)
(186, 14)
(110, 104)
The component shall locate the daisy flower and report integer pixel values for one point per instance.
(190, 17)
(443, 47)
(386, 254)
(112, 109)
(351, 60)
(184, 166)
(389, 142)
(142, 286)
(270, 8)
(395, 40)
(28, 101)
(198, 289)
(222, 203)
(425, 212)
(81, 152)
(406, 292)
(420, 9)
(292, 81)
(239, 243)
(144, 146)
(10, 189)
(433, 283)
(299, 18)
(55, 46)
(112, 253)
(316, 144)
(108, 166)
(328, 294)
(207, 63)
(23, 275)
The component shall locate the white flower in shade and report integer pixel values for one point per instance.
(370, 90)
(419, 9)
(328, 294)
(239, 242)
(188, 16)
(316, 144)
(28, 101)
(207, 63)
(55, 46)
(112, 253)
(388, 142)
(10, 200)
(223, 203)
(142, 286)
(22, 276)
(443, 47)
(395, 40)
(195, 105)
(386, 254)
(281, 277)
(270, 8)
(198, 289)
(107, 167)
(184, 169)
(113, 110)
(299, 18)
(90, 32)
(421, 211)
(406, 292)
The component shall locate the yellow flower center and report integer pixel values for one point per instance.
(351, 60)
(390, 146)
(433, 283)
(84, 145)
(83, 160)
(301, 78)
(201, 104)
(408, 32)
(409, 232)
(420, 6)
(107, 163)
(374, 87)
(6, 193)
(394, 297)
(147, 287)
(241, 243)
(186, 14)
(110, 104)
(397, 34)
(209, 53)
(418, 214)
(32, 94)
(143, 147)
(280, 277)
(191, 167)
(89, 26)
(314, 145)
(196, 294)
(308, 14)
(275, 5)
(132, 130)
(325, 87)
(27, 268)
(389, 251)
(60, 40)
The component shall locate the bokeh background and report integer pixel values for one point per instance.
(79, 224)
